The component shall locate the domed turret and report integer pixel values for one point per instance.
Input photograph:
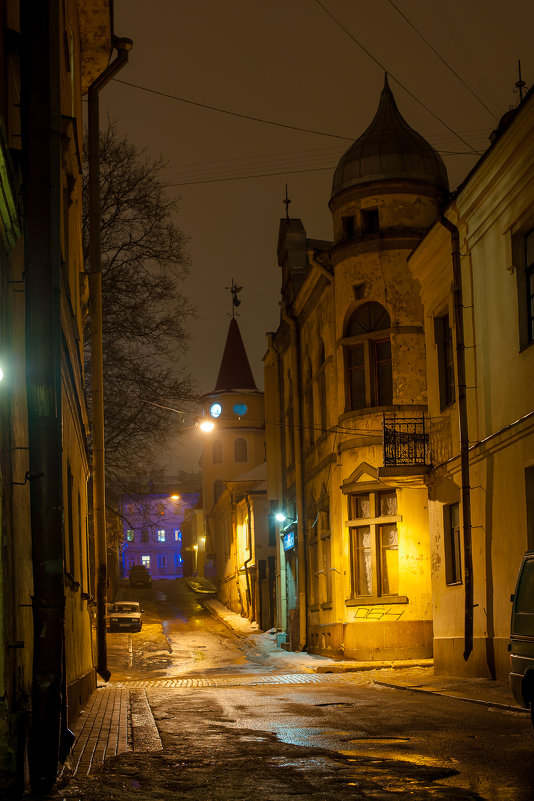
(389, 150)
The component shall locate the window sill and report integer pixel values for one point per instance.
(454, 583)
(382, 601)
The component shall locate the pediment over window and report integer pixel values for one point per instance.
(363, 477)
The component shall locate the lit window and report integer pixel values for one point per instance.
(161, 535)
(177, 535)
(130, 535)
(145, 560)
(374, 545)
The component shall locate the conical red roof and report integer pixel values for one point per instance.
(234, 372)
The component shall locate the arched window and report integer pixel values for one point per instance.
(216, 452)
(240, 450)
(368, 358)
(217, 489)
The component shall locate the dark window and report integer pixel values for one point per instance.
(217, 489)
(349, 227)
(144, 535)
(444, 344)
(308, 408)
(356, 376)
(217, 452)
(451, 528)
(370, 221)
(70, 518)
(240, 450)
(369, 364)
(529, 262)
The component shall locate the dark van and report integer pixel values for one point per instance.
(522, 636)
(139, 576)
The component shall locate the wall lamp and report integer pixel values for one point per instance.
(204, 424)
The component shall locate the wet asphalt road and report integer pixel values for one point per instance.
(346, 739)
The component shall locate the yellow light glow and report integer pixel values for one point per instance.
(195, 547)
(207, 425)
(175, 497)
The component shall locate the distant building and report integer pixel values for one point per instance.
(157, 529)
(239, 530)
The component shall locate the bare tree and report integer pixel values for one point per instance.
(145, 313)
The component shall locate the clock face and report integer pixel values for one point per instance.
(215, 409)
(240, 409)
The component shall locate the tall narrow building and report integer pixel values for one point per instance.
(234, 488)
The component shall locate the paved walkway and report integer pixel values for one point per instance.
(117, 716)
(102, 730)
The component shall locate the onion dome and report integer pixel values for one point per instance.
(389, 150)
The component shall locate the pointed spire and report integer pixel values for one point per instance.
(234, 372)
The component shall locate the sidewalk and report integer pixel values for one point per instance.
(409, 674)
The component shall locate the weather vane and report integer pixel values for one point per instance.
(286, 203)
(234, 291)
(520, 83)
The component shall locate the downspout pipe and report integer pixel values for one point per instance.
(251, 601)
(464, 432)
(292, 322)
(123, 47)
(281, 606)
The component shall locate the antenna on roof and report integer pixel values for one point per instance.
(286, 203)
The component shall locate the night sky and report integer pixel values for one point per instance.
(311, 64)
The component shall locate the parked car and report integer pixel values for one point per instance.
(140, 577)
(522, 636)
(125, 616)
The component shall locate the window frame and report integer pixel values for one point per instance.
(375, 522)
(366, 342)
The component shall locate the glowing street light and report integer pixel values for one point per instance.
(207, 426)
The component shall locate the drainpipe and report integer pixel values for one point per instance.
(281, 608)
(464, 437)
(251, 601)
(291, 320)
(123, 46)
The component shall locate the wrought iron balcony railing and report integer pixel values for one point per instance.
(405, 441)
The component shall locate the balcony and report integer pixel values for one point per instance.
(406, 449)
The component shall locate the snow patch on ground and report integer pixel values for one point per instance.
(264, 642)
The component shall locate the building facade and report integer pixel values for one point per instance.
(347, 364)
(476, 272)
(157, 529)
(51, 53)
